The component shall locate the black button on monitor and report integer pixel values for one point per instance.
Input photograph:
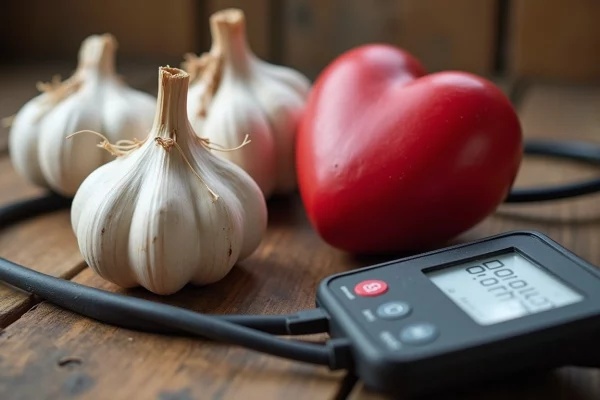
(420, 333)
(393, 310)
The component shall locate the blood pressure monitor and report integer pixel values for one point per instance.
(449, 319)
(504, 305)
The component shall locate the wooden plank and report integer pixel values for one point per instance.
(281, 277)
(560, 113)
(13, 303)
(308, 35)
(444, 35)
(143, 28)
(55, 251)
(555, 39)
(53, 351)
(259, 23)
(45, 244)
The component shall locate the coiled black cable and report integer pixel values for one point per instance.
(251, 331)
(572, 150)
(133, 313)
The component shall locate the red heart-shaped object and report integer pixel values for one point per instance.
(391, 159)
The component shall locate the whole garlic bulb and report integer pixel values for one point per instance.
(235, 94)
(93, 98)
(167, 211)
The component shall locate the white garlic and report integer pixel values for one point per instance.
(237, 94)
(94, 98)
(167, 211)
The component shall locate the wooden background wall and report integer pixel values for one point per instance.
(545, 39)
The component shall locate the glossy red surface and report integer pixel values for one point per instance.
(391, 159)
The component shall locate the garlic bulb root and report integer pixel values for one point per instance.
(57, 91)
(161, 219)
(124, 147)
(95, 98)
(207, 70)
(233, 93)
(8, 121)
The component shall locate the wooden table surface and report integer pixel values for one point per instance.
(50, 353)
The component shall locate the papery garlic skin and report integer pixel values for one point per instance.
(237, 94)
(93, 98)
(148, 218)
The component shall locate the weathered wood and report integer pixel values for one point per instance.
(444, 35)
(281, 277)
(45, 244)
(51, 353)
(54, 251)
(554, 39)
(150, 29)
(560, 113)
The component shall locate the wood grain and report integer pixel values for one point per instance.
(55, 251)
(562, 113)
(150, 29)
(45, 244)
(281, 277)
(555, 39)
(50, 353)
(444, 35)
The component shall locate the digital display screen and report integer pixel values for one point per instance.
(502, 288)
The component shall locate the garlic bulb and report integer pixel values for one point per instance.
(93, 98)
(235, 94)
(167, 211)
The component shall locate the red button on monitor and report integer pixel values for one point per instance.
(371, 288)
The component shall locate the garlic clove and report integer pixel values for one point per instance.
(170, 234)
(24, 146)
(120, 121)
(109, 192)
(235, 114)
(284, 109)
(231, 85)
(167, 211)
(284, 76)
(93, 98)
(65, 163)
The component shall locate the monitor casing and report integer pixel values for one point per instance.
(464, 353)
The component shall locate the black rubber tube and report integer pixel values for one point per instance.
(572, 150)
(243, 330)
(133, 313)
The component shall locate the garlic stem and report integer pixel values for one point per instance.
(167, 143)
(208, 69)
(171, 112)
(228, 30)
(96, 57)
(97, 54)
(171, 106)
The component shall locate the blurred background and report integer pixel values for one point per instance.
(553, 42)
